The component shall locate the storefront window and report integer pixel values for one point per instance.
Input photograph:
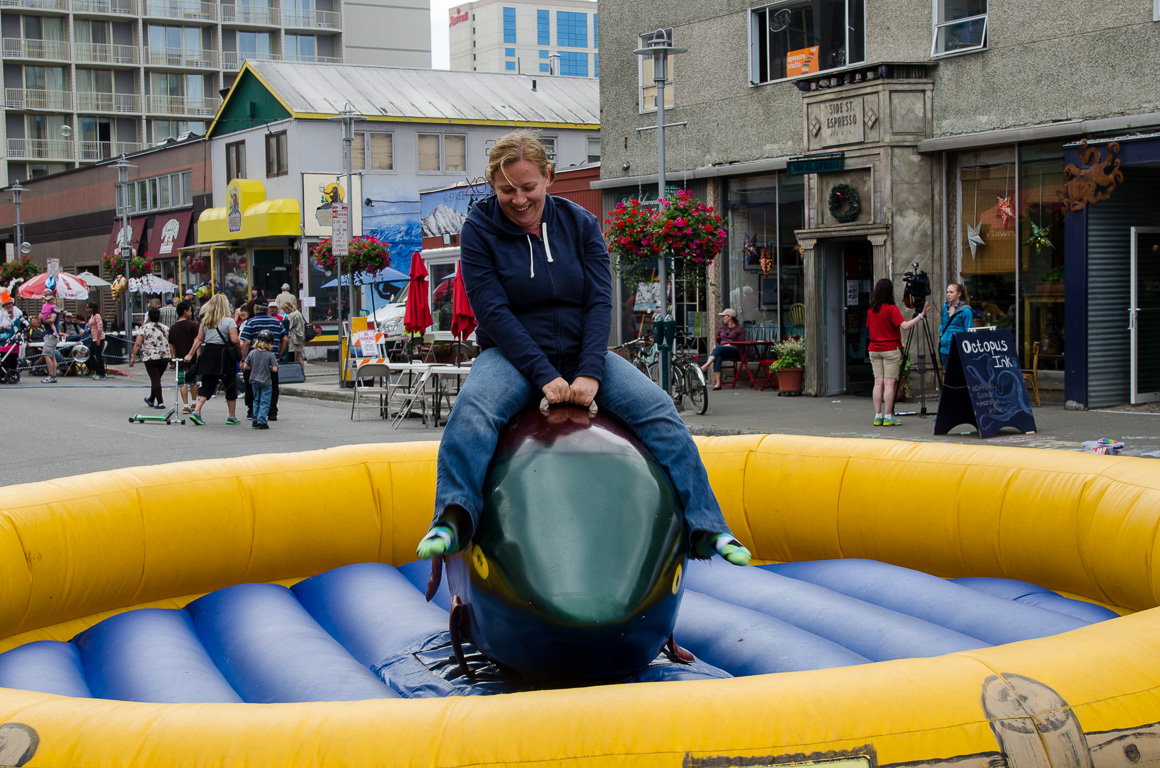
(1041, 254)
(988, 234)
(232, 274)
(764, 212)
(1010, 238)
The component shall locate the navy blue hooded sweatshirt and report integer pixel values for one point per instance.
(545, 301)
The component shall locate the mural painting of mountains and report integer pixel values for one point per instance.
(444, 220)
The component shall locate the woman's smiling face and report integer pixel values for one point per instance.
(521, 190)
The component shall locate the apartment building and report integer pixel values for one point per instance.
(530, 38)
(88, 80)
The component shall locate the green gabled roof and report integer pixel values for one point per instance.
(249, 103)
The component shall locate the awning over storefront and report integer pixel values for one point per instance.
(136, 229)
(169, 233)
(249, 215)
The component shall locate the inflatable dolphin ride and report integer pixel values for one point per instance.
(919, 604)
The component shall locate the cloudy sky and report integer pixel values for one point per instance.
(440, 56)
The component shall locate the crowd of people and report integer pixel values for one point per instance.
(206, 341)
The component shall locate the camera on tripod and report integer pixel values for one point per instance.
(917, 288)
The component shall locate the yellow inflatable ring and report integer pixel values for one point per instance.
(78, 550)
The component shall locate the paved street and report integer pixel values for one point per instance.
(80, 425)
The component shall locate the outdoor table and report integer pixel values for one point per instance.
(753, 351)
(437, 370)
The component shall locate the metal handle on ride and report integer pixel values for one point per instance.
(592, 409)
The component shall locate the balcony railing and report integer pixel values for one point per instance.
(104, 53)
(312, 19)
(181, 57)
(118, 7)
(24, 48)
(35, 98)
(40, 149)
(245, 14)
(316, 59)
(37, 5)
(232, 60)
(206, 106)
(186, 10)
(123, 103)
(106, 150)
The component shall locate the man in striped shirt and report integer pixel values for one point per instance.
(261, 321)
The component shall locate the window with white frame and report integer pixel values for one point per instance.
(802, 37)
(960, 26)
(549, 144)
(647, 101)
(276, 161)
(439, 152)
(594, 149)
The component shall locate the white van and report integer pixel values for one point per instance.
(442, 264)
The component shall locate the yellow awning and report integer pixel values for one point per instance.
(249, 215)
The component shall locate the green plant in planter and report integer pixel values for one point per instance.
(1051, 275)
(791, 353)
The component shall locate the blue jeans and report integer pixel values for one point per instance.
(495, 392)
(723, 352)
(261, 401)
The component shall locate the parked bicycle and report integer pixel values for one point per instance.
(685, 375)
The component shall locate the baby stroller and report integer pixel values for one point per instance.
(11, 356)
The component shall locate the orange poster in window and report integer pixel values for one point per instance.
(802, 61)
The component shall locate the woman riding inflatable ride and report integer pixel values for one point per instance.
(537, 274)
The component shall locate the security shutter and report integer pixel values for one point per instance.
(1136, 202)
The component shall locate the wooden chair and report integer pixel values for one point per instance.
(797, 314)
(1033, 375)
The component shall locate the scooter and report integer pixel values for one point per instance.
(168, 418)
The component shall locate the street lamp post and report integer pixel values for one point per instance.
(20, 248)
(347, 116)
(124, 242)
(659, 48)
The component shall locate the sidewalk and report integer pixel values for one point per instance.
(747, 411)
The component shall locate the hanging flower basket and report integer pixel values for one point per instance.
(22, 268)
(367, 254)
(690, 232)
(114, 265)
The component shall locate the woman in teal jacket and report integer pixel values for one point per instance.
(957, 317)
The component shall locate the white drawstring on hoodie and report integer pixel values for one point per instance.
(531, 253)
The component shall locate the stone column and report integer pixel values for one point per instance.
(815, 344)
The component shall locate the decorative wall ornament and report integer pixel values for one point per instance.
(1093, 182)
(844, 203)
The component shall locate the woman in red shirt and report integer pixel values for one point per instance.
(886, 325)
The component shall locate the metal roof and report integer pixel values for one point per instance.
(432, 95)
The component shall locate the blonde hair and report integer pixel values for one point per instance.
(214, 310)
(517, 145)
(262, 344)
(289, 306)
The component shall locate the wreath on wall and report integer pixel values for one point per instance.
(844, 203)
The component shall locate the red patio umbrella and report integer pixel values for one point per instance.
(462, 317)
(65, 286)
(417, 314)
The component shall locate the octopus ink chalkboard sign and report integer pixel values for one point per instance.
(983, 385)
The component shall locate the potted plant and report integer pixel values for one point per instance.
(790, 363)
(1050, 280)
